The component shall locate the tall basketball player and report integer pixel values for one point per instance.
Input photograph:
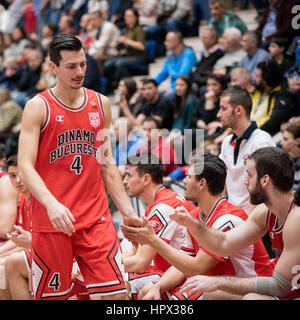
(65, 160)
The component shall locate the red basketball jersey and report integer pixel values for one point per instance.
(275, 231)
(23, 214)
(165, 202)
(2, 174)
(251, 261)
(68, 160)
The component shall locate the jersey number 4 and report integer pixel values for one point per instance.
(76, 165)
(54, 282)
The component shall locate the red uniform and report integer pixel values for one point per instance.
(275, 232)
(168, 230)
(2, 174)
(250, 262)
(68, 161)
(23, 214)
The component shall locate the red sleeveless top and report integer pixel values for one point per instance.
(68, 160)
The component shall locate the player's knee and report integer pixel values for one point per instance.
(251, 296)
(12, 263)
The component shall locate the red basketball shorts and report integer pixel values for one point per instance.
(98, 254)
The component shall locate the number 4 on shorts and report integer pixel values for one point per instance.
(54, 282)
(76, 165)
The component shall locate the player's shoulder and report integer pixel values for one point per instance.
(293, 219)
(35, 102)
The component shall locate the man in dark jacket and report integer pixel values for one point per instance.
(277, 21)
(272, 105)
(29, 77)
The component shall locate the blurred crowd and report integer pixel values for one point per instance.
(122, 38)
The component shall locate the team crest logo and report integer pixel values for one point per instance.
(94, 119)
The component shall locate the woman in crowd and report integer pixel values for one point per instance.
(131, 47)
(291, 143)
(184, 103)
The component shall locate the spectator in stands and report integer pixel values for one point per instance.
(276, 21)
(10, 114)
(132, 43)
(128, 94)
(184, 104)
(128, 143)
(132, 110)
(20, 40)
(157, 144)
(66, 24)
(48, 32)
(293, 82)
(205, 114)
(291, 143)
(157, 106)
(222, 19)
(29, 18)
(176, 15)
(230, 42)
(180, 59)
(13, 15)
(10, 73)
(92, 74)
(30, 75)
(272, 105)
(254, 54)
(209, 55)
(116, 11)
(277, 49)
(7, 45)
(242, 77)
(105, 36)
(148, 12)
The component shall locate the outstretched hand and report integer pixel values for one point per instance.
(143, 234)
(181, 216)
(199, 283)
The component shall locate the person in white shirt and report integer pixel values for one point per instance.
(234, 113)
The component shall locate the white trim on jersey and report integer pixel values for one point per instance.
(242, 261)
(170, 231)
(81, 107)
(47, 116)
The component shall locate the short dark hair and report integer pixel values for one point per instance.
(271, 73)
(63, 41)
(277, 164)
(12, 161)
(281, 42)
(214, 171)
(154, 82)
(148, 163)
(239, 96)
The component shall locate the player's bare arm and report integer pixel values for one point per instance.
(111, 175)
(191, 266)
(8, 206)
(239, 286)
(169, 280)
(225, 243)
(33, 117)
(288, 265)
(140, 261)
